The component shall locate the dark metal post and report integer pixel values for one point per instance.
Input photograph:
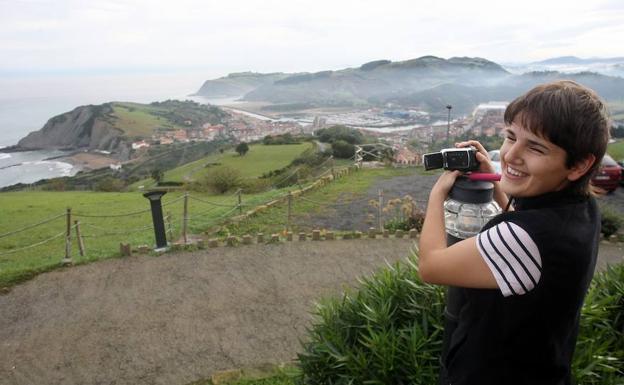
(157, 217)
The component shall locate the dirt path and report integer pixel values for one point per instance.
(175, 318)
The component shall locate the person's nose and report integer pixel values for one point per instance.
(513, 155)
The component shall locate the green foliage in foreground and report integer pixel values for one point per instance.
(387, 332)
(599, 356)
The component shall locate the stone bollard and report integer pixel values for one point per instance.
(275, 238)
(125, 250)
(247, 239)
(316, 235)
(329, 236)
(386, 233)
(303, 236)
(213, 243)
(372, 233)
(357, 235)
(398, 234)
(347, 236)
(232, 240)
(143, 249)
(413, 233)
(289, 236)
(201, 244)
(260, 238)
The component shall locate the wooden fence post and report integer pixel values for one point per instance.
(169, 228)
(185, 219)
(79, 237)
(240, 202)
(289, 212)
(380, 210)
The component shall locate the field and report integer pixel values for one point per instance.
(108, 219)
(616, 150)
(258, 160)
(137, 121)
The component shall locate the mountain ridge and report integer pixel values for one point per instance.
(427, 82)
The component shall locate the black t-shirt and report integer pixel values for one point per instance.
(543, 257)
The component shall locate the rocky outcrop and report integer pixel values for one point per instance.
(85, 127)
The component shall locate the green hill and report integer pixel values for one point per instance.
(259, 159)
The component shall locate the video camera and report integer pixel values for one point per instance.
(462, 159)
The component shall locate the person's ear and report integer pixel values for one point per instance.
(581, 167)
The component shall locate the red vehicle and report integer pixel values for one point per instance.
(609, 175)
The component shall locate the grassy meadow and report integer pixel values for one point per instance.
(137, 121)
(616, 150)
(103, 220)
(258, 160)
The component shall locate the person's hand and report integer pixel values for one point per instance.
(485, 165)
(444, 184)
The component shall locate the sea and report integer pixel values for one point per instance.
(28, 101)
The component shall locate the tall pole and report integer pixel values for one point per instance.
(448, 125)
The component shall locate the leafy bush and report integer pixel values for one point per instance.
(599, 356)
(242, 148)
(219, 180)
(253, 186)
(407, 215)
(342, 149)
(110, 184)
(387, 332)
(335, 133)
(610, 221)
(286, 138)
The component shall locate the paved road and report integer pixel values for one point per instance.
(176, 318)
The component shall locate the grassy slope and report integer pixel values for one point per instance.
(103, 235)
(137, 121)
(345, 189)
(258, 160)
(616, 150)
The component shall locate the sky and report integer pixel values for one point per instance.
(219, 37)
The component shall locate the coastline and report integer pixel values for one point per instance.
(87, 161)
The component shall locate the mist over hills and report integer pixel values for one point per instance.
(428, 83)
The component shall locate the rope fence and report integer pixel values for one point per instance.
(202, 219)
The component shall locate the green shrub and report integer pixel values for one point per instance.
(110, 184)
(599, 356)
(342, 149)
(219, 180)
(610, 221)
(389, 331)
(253, 186)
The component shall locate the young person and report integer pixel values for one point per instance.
(525, 276)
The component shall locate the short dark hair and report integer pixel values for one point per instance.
(569, 115)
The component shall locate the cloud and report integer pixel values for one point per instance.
(297, 35)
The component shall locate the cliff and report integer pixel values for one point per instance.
(85, 127)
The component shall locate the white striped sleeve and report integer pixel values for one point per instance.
(512, 256)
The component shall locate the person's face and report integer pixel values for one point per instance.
(532, 165)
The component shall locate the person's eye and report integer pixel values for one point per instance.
(538, 150)
(511, 138)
